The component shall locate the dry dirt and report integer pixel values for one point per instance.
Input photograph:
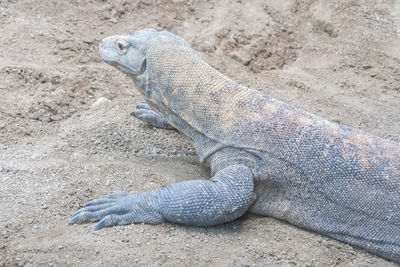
(66, 135)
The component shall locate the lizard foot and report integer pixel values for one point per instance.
(144, 112)
(119, 208)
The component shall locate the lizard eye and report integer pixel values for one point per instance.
(121, 44)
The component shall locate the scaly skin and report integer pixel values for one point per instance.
(266, 157)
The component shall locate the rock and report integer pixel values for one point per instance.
(100, 101)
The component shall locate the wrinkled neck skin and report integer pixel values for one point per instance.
(141, 81)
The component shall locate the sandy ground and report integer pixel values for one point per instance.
(66, 135)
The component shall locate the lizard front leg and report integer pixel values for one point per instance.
(144, 112)
(223, 198)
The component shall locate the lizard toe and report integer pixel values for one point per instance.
(93, 216)
(114, 219)
(143, 105)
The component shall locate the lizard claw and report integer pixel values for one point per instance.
(118, 209)
(144, 112)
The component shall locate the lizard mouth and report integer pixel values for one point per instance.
(128, 70)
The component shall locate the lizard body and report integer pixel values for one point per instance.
(266, 157)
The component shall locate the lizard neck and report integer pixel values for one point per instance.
(195, 98)
(204, 146)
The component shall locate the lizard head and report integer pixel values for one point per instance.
(127, 52)
(131, 53)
